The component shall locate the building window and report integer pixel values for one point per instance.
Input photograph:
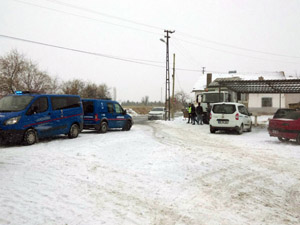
(266, 102)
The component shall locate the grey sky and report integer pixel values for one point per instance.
(242, 35)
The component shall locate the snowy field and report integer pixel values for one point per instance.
(163, 172)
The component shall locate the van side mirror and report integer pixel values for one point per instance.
(250, 114)
(124, 112)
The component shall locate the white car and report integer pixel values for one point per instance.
(230, 116)
(157, 113)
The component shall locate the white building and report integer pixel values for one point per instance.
(259, 102)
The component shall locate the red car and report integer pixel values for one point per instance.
(286, 128)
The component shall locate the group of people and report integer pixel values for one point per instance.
(195, 114)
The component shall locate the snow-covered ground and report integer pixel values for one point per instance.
(164, 172)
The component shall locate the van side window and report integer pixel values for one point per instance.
(118, 108)
(40, 105)
(110, 108)
(243, 110)
(64, 102)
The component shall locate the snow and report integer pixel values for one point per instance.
(163, 172)
(131, 112)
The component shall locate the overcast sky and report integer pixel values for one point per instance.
(123, 37)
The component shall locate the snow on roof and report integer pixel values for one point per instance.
(201, 83)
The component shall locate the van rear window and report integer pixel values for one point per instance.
(224, 109)
(64, 102)
(88, 107)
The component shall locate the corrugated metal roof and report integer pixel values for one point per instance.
(259, 86)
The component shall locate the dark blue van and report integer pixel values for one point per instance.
(105, 114)
(25, 117)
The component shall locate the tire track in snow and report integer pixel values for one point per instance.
(252, 186)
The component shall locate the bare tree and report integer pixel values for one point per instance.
(11, 67)
(31, 79)
(180, 100)
(103, 91)
(19, 73)
(92, 90)
(73, 87)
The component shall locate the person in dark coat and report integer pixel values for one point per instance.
(193, 114)
(199, 112)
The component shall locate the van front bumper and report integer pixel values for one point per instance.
(11, 135)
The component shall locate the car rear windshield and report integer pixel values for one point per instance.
(282, 113)
(224, 109)
(14, 103)
(293, 115)
(157, 109)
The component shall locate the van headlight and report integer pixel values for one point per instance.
(12, 121)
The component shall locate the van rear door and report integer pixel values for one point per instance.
(89, 112)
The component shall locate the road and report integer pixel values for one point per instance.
(160, 172)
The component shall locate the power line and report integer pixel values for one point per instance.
(131, 60)
(233, 53)
(86, 17)
(236, 47)
(156, 27)
(103, 14)
(137, 61)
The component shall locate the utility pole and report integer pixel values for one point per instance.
(173, 88)
(167, 100)
(203, 70)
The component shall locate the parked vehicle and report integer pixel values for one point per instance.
(105, 114)
(286, 128)
(208, 98)
(25, 117)
(281, 113)
(157, 113)
(230, 116)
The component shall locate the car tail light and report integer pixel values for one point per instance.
(210, 116)
(96, 116)
(237, 116)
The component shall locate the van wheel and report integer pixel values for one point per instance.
(240, 129)
(298, 139)
(103, 127)
(74, 131)
(30, 137)
(127, 126)
(250, 128)
(212, 130)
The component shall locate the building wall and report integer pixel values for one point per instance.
(292, 98)
(255, 103)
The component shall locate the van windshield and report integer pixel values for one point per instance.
(224, 109)
(14, 103)
(212, 97)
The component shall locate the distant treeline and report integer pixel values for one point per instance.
(17, 73)
(132, 103)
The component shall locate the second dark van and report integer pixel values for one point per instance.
(102, 115)
(25, 117)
